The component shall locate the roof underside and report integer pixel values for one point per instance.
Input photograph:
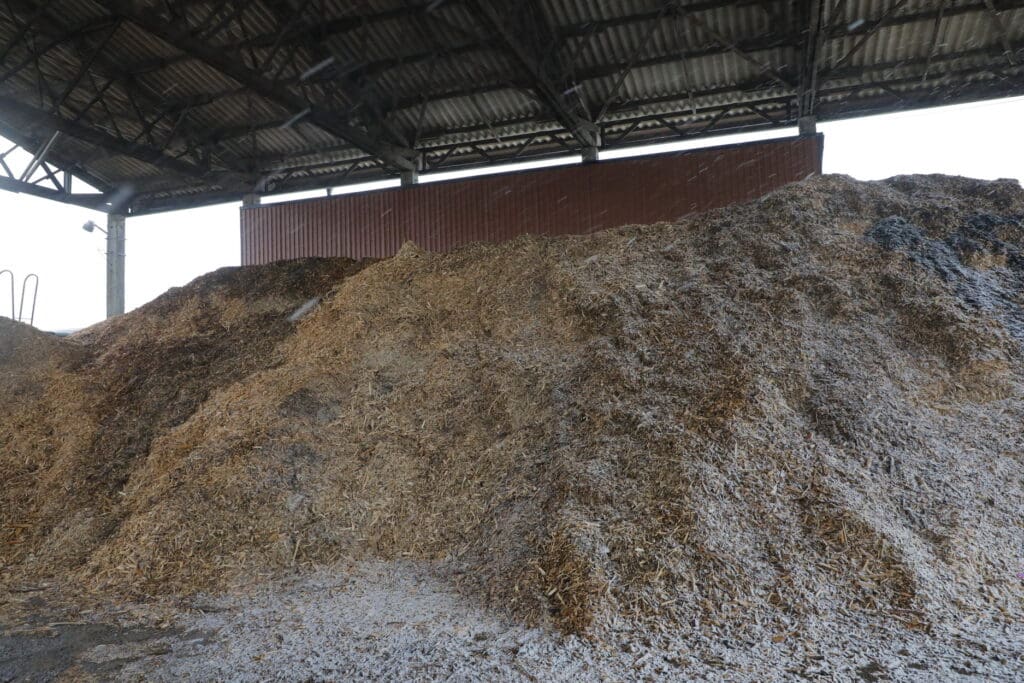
(163, 104)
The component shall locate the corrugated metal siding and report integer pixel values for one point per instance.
(556, 201)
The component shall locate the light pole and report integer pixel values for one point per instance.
(115, 261)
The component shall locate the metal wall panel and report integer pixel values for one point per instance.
(556, 201)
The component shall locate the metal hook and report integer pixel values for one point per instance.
(35, 295)
(12, 290)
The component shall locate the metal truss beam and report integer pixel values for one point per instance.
(326, 30)
(775, 40)
(685, 103)
(729, 119)
(95, 136)
(269, 50)
(182, 38)
(738, 51)
(146, 110)
(768, 42)
(811, 54)
(526, 36)
(21, 137)
(692, 106)
(863, 39)
(306, 33)
(54, 183)
(95, 201)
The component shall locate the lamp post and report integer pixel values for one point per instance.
(115, 261)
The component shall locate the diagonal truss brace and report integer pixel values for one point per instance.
(53, 183)
(93, 64)
(180, 37)
(545, 80)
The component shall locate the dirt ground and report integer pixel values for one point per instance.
(405, 621)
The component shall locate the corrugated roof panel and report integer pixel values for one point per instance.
(119, 168)
(408, 82)
(132, 45)
(187, 78)
(337, 154)
(478, 110)
(694, 68)
(76, 12)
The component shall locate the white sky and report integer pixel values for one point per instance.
(983, 140)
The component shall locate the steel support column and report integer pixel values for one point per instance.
(115, 265)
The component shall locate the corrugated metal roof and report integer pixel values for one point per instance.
(194, 101)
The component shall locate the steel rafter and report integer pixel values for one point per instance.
(524, 32)
(439, 84)
(772, 40)
(742, 120)
(811, 53)
(48, 185)
(181, 38)
(686, 118)
(687, 110)
(93, 63)
(112, 144)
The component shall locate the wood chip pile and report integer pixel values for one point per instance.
(782, 410)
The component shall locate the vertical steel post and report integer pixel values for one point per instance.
(807, 125)
(115, 265)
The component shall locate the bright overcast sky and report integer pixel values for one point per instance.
(982, 140)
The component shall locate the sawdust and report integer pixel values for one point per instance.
(747, 419)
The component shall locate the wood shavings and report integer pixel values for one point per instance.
(742, 421)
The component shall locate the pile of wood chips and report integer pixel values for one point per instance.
(742, 419)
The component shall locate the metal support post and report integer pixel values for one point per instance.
(410, 178)
(115, 265)
(806, 125)
(590, 152)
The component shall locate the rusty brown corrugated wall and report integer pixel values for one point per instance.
(555, 201)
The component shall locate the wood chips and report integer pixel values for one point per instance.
(744, 418)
